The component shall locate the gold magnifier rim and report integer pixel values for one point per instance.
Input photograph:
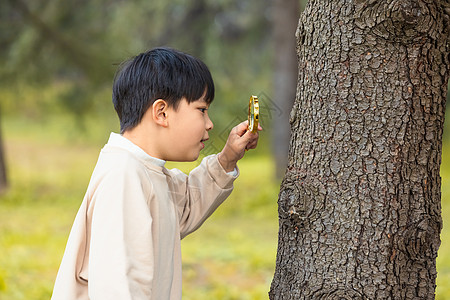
(253, 114)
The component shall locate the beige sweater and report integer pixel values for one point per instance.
(125, 240)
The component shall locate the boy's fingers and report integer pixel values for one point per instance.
(248, 136)
(253, 144)
(250, 139)
(241, 128)
(249, 147)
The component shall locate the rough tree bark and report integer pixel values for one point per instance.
(359, 206)
(284, 20)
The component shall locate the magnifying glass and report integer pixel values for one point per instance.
(253, 114)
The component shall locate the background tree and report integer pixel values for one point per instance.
(359, 206)
(284, 23)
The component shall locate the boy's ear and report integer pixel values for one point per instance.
(159, 112)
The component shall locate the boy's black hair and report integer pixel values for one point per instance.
(160, 73)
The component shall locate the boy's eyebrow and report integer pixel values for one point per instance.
(202, 102)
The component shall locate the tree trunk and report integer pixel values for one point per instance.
(285, 19)
(359, 206)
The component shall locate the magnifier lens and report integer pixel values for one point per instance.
(253, 114)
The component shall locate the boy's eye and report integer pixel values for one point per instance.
(203, 109)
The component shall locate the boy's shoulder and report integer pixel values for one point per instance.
(117, 167)
(119, 176)
(119, 160)
(120, 153)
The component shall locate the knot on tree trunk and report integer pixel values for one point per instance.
(403, 21)
(418, 241)
(338, 294)
(300, 200)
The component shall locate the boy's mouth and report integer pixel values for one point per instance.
(203, 142)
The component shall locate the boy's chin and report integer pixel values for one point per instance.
(190, 158)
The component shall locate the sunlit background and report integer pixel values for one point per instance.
(58, 60)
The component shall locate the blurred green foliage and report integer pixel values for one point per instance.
(75, 46)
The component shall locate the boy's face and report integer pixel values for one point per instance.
(188, 130)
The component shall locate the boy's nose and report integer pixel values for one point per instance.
(209, 124)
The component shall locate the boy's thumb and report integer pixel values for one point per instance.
(241, 129)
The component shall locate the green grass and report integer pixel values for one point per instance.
(231, 257)
(36, 213)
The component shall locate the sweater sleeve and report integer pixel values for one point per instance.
(121, 259)
(198, 195)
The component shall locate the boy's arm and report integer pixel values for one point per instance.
(211, 182)
(198, 195)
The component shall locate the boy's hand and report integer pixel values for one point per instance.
(239, 140)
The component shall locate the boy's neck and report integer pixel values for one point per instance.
(143, 142)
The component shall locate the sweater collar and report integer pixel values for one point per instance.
(120, 141)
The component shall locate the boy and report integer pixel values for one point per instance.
(125, 240)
